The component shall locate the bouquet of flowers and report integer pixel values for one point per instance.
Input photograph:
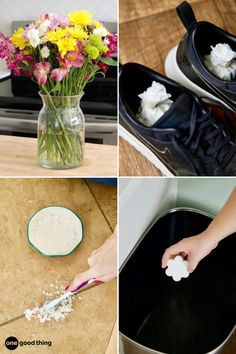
(62, 54)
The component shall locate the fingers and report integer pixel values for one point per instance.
(170, 253)
(108, 277)
(79, 279)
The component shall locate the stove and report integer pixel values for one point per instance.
(20, 104)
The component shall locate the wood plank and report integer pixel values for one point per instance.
(132, 163)
(228, 6)
(18, 157)
(133, 9)
(230, 21)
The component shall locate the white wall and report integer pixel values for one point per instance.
(141, 201)
(16, 10)
(206, 193)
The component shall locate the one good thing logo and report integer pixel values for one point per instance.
(11, 343)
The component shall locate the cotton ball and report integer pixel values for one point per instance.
(222, 54)
(177, 268)
(154, 95)
(154, 103)
(221, 61)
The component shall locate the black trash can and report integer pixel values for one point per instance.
(194, 316)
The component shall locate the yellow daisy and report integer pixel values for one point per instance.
(56, 35)
(96, 24)
(65, 45)
(19, 41)
(77, 32)
(82, 18)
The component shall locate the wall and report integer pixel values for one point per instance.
(141, 201)
(207, 194)
(15, 10)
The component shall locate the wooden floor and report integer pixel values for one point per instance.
(148, 30)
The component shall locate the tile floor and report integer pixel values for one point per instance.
(25, 273)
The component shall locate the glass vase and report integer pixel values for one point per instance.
(61, 132)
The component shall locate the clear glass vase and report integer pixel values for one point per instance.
(61, 132)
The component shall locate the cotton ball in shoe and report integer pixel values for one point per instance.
(177, 268)
(222, 61)
(154, 103)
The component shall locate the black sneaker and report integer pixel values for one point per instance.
(185, 64)
(187, 140)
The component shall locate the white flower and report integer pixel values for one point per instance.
(45, 52)
(33, 37)
(106, 41)
(43, 28)
(43, 40)
(101, 31)
(222, 54)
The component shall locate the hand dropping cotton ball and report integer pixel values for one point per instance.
(154, 103)
(177, 268)
(221, 61)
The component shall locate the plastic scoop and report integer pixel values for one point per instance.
(55, 302)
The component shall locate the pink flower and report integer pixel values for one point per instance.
(41, 70)
(103, 66)
(19, 56)
(55, 20)
(5, 47)
(75, 59)
(59, 74)
(16, 71)
(112, 45)
(28, 73)
(80, 46)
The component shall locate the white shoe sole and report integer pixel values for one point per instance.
(173, 72)
(123, 133)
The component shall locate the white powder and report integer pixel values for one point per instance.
(41, 314)
(55, 231)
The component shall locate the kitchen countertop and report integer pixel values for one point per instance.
(90, 328)
(18, 157)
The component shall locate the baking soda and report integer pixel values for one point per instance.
(41, 314)
(55, 231)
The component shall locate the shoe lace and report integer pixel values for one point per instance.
(202, 129)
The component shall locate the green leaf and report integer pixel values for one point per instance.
(57, 87)
(108, 61)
